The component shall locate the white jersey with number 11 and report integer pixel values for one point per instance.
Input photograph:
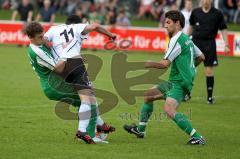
(66, 40)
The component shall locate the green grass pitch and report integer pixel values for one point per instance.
(29, 127)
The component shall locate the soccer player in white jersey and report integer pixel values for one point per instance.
(66, 46)
(45, 62)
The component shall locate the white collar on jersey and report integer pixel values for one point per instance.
(176, 36)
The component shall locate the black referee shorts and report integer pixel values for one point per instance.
(76, 74)
(208, 48)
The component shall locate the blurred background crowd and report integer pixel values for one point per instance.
(112, 12)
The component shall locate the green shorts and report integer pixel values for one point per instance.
(57, 89)
(70, 98)
(173, 90)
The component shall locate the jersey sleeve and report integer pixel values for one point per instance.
(49, 34)
(222, 24)
(43, 63)
(79, 29)
(43, 59)
(197, 51)
(173, 51)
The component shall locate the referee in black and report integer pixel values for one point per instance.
(204, 25)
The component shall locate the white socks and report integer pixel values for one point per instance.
(100, 121)
(84, 115)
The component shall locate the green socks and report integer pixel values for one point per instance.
(146, 112)
(179, 118)
(183, 123)
(93, 120)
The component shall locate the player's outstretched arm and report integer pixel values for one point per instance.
(100, 29)
(163, 64)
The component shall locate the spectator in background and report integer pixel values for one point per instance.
(111, 12)
(94, 17)
(145, 7)
(157, 8)
(187, 10)
(100, 1)
(5, 4)
(62, 6)
(25, 10)
(46, 13)
(111, 18)
(112, 5)
(162, 19)
(39, 3)
(237, 14)
(229, 7)
(14, 4)
(180, 4)
(82, 16)
(100, 5)
(122, 19)
(71, 6)
(169, 4)
(86, 5)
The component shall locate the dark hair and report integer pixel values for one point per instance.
(122, 11)
(73, 19)
(176, 16)
(33, 28)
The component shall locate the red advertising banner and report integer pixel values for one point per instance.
(140, 39)
(133, 38)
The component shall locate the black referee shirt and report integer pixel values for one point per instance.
(206, 25)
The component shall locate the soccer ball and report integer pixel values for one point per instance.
(101, 136)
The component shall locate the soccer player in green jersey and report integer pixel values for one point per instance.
(182, 55)
(50, 70)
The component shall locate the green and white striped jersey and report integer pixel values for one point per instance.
(42, 62)
(182, 52)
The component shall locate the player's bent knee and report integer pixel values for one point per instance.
(169, 110)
